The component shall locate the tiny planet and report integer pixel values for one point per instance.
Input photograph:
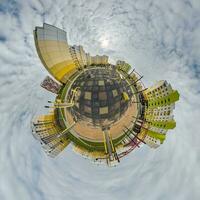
(103, 110)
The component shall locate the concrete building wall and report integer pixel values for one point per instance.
(123, 66)
(46, 131)
(159, 110)
(152, 142)
(53, 50)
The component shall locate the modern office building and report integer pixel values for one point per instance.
(103, 110)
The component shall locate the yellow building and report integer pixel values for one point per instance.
(53, 50)
(122, 65)
(161, 100)
(99, 60)
(52, 138)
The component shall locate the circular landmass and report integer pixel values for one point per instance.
(99, 97)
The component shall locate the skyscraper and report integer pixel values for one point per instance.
(104, 110)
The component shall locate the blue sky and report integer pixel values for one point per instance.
(160, 39)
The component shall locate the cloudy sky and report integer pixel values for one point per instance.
(160, 39)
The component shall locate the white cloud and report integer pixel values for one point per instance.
(159, 39)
